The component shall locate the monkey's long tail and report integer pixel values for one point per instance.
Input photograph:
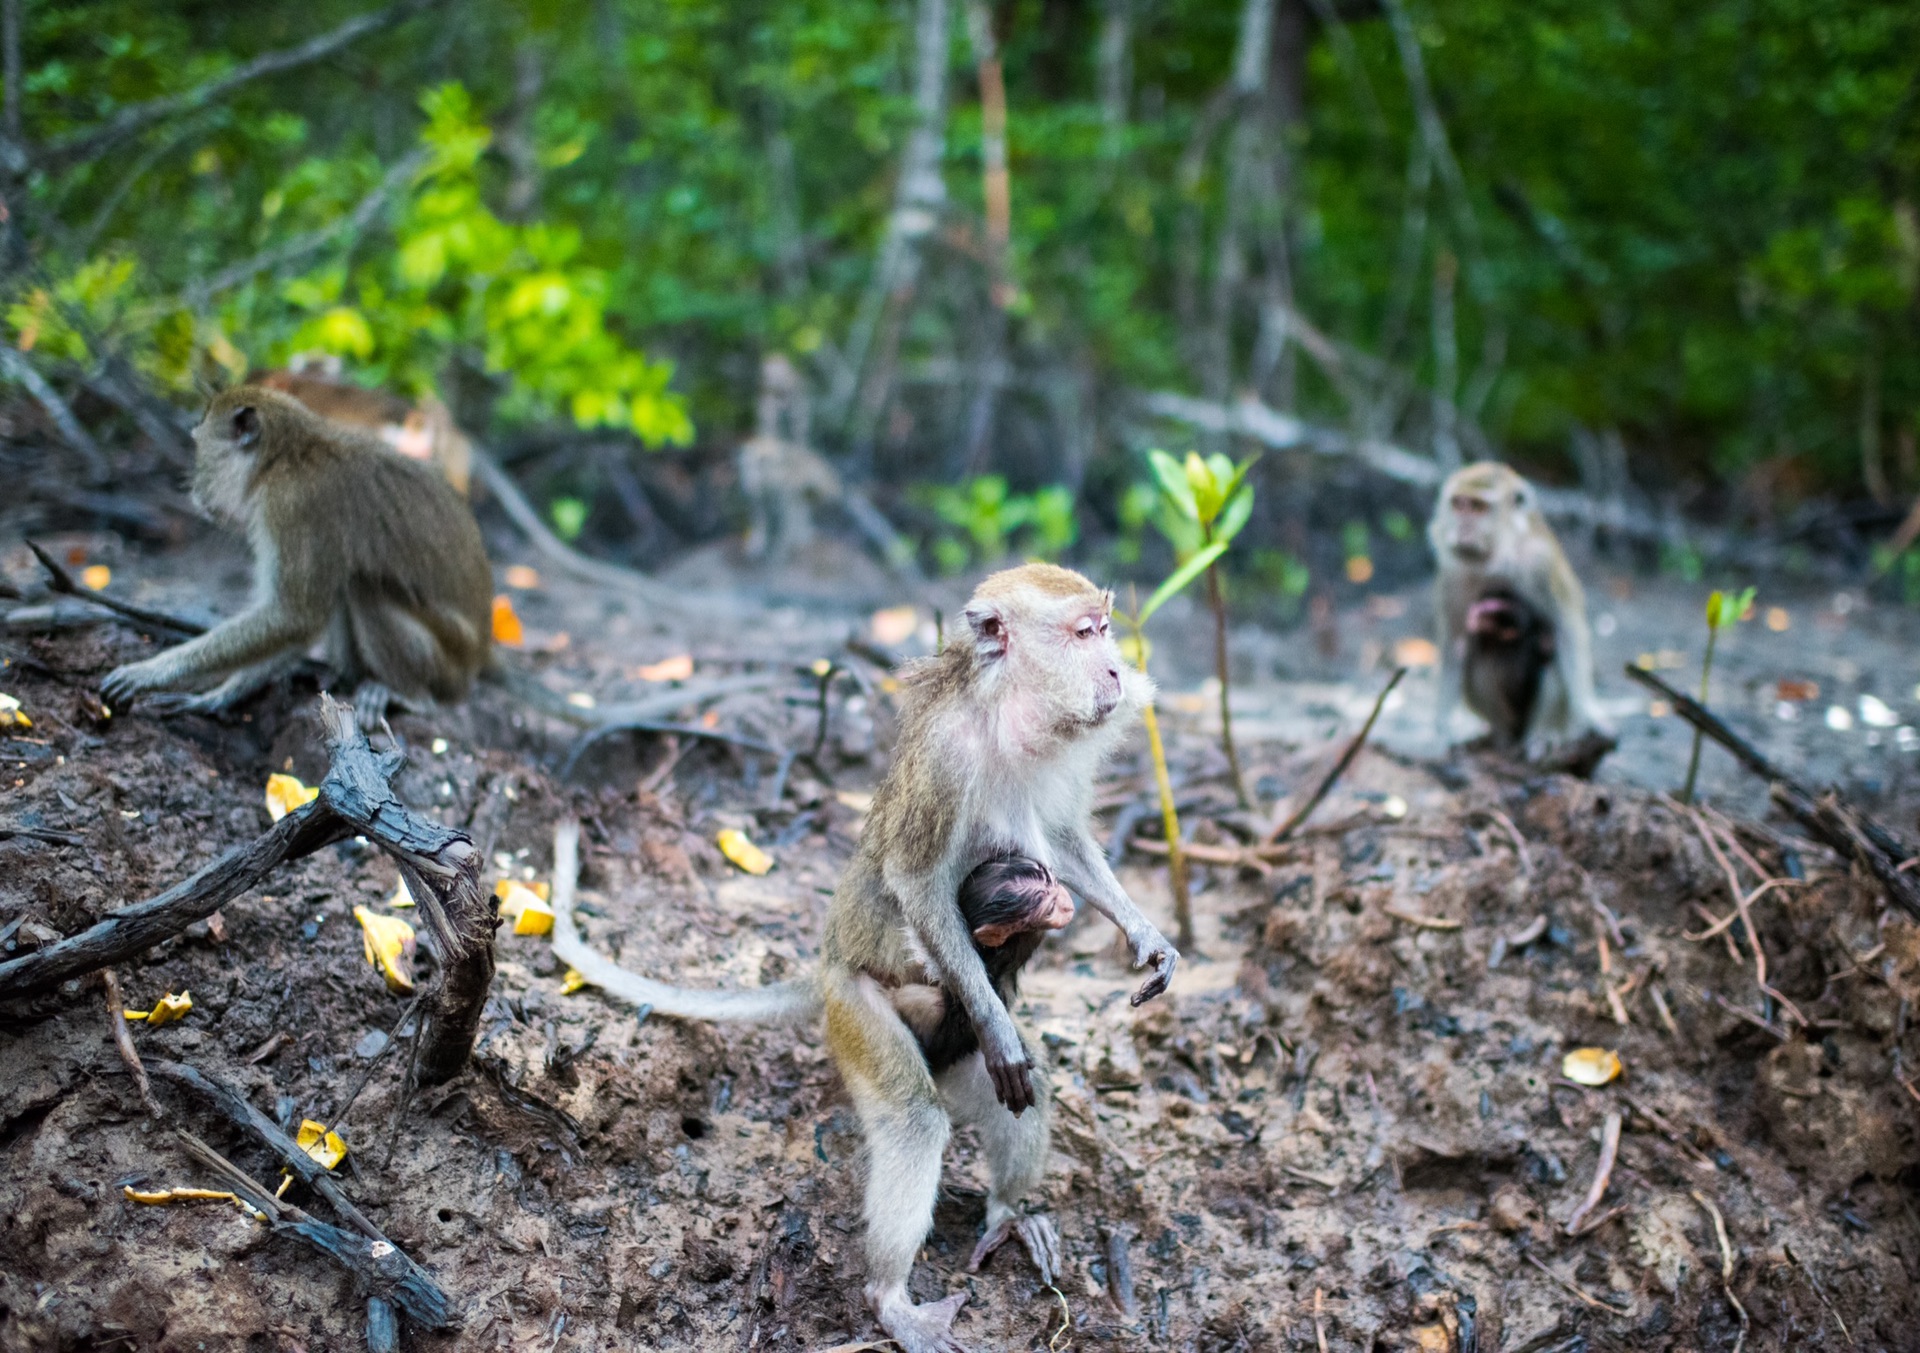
(795, 1002)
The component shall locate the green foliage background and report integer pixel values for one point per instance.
(1694, 225)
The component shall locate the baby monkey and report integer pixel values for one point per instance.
(371, 552)
(1513, 622)
(1009, 903)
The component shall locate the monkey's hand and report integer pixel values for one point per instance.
(1152, 950)
(126, 684)
(1008, 1067)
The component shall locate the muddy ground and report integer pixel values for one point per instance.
(1345, 1127)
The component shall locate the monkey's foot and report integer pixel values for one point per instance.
(1036, 1233)
(918, 1329)
(370, 703)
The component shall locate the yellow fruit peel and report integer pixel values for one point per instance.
(10, 715)
(573, 982)
(745, 854)
(526, 904)
(1591, 1066)
(165, 1010)
(96, 576)
(388, 942)
(401, 897)
(285, 793)
(164, 1197)
(321, 1142)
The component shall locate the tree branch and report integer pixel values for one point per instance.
(87, 143)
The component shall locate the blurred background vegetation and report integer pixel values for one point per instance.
(1664, 254)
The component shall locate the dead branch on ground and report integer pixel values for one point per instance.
(1286, 827)
(1830, 819)
(63, 582)
(441, 867)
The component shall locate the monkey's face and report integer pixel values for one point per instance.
(1477, 508)
(1032, 904)
(226, 448)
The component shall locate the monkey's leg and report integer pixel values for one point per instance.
(906, 1132)
(236, 690)
(1016, 1150)
(391, 648)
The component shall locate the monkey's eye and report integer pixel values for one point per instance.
(1088, 627)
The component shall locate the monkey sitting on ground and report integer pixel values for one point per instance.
(424, 431)
(372, 552)
(1513, 622)
(1000, 737)
(1009, 903)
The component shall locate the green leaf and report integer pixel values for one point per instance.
(1238, 477)
(1183, 575)
(1173, 483)
(1206, 489)
(1234, 516)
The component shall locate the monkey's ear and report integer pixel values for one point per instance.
(246, 427)
(989, 631)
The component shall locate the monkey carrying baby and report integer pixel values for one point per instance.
(370, 551)
(1000, 737)
(1513, 622)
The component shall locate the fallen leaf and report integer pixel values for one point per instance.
(711, 719)
(1393, 806)
(821, 667)
(10, 715)
(677, 668)
(1839, 718)
(321, 1142)
(388, 942)
(285, 793)
(165, 1010)
(439, 746)
(1876, 713)
(507, 628)
(1792, 689)
(895, 625)
(571, 981)
(522, 577)
(744, 853)
(1413, 651)
(96, 576)
(1590, 1066)
(580, 700)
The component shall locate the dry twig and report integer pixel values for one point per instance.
(1286, 828)
(1726, 1263)
(1603, 1173)
(1598, 1303)
(123, 1042)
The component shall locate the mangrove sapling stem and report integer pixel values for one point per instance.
(1216, 598)
(1170, 823)
(1693, 758)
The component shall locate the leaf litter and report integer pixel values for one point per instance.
(1342, 1127)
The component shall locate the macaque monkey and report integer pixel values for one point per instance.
(370, 551)
(1513, 620)
(1000, 737)
(1009, 903)
(784, 478)
(425, 431)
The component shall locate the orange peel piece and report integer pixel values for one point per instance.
(572, 981)
(1591, 1066)
(321, 1142)
(96, 576)
(677, 668)
(10, 715)
(522, 577)
(744, 853)
(285, 793)
(507, 628)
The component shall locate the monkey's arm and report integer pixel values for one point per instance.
(1083, 867)
(927, 899)
(259, 633)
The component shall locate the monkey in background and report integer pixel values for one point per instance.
(425, 431)
(1009, 903)
(783, 478)
(1001, 734)
(372, 552)
(1513, 621)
